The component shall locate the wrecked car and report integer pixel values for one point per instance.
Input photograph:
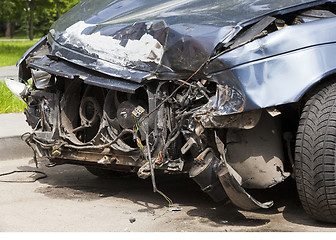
(238, 94)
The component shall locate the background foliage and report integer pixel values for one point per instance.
(29, 18)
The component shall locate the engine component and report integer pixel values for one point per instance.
(89, 111)
(81, 112)
(204, 174)
(313, 15)
(126, 113)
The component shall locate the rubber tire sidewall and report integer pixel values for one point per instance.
(315, 154)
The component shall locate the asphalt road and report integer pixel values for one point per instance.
(8, 72)
(71, 199)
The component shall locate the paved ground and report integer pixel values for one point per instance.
(9, 72)
(71, 199)
(12, 126)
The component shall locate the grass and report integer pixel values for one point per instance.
(16, 38)
(22, 34)
(11, 52)
(9, 103)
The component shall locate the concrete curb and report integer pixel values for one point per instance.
(12, 126)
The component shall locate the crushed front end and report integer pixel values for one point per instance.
(80, 116)
(160, 96)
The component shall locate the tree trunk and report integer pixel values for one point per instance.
(31, 20)
(58, 8)
(9, 29)
(31, 7)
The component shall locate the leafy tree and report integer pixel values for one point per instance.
(36, 15)
(8, 14)
(57, 9)
(34, 8)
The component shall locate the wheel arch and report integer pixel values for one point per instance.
(324, 78)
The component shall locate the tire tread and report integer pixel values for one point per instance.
(315, 154)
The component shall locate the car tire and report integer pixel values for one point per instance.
(106, 173)
(315, 154)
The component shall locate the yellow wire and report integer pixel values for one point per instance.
(170, 203)
(140, 145)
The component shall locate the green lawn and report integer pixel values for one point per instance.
(22, 34)
(11, 52)
(9, 103)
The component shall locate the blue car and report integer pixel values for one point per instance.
(238, 94)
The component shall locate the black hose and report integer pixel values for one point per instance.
(172, 139)
(21, 181)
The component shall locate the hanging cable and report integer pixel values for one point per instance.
(23, 181)
(151, 164)
(170, 203)
(149, 159)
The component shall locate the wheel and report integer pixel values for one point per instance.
(106, 173)
(315, 154)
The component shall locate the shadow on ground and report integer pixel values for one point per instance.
(76, 183)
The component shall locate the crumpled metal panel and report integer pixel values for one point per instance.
(257, 154)
(128, 38)
(232, 184)
(281, 79)
(139, 40)
(112, 12)
(286, 40)
(95, 64)
(280, 67)
(68, 70)
(178, 49)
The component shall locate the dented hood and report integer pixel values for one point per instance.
(133, 39)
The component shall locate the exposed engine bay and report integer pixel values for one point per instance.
(198, 124)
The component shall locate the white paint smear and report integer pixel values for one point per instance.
(146, 49)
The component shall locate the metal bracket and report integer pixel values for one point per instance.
(175, 165)
(188, 145)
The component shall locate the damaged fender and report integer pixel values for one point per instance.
(231, 182)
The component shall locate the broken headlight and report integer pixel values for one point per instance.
(226, 101)
(218, 111)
